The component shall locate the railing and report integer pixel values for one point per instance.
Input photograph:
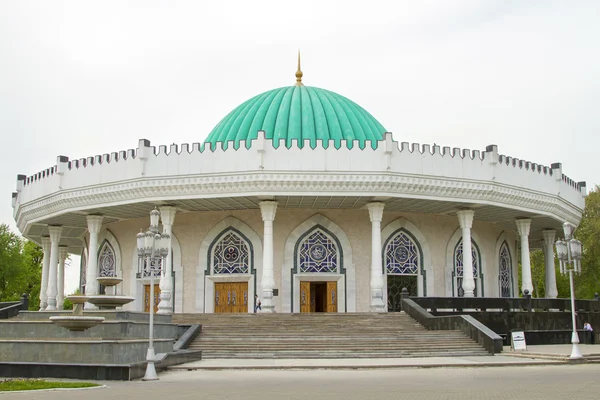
(544, 321)
(453, 305)
(487, 338)
(11, 309)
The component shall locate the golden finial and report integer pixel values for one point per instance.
(299, 72)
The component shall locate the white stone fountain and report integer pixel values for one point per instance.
(110, 301)
(77, 321)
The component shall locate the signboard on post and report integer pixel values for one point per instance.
(517, 341)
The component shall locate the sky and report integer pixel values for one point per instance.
(81, 78)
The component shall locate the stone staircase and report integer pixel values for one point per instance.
(351, 335)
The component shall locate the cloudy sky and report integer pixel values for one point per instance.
(80, 78)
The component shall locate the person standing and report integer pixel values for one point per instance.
(588, 328)
(257, 304)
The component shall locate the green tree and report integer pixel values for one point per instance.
(31, 274)
(20, 268)
(11, 262)
(588, 283)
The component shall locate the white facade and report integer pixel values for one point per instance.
(421, 190)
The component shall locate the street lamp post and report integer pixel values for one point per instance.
(569, 251)
(152, 250)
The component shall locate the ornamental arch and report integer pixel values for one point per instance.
(406, 255)
(230, 233)
(318, 250)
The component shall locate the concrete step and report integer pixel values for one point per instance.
(356, 335)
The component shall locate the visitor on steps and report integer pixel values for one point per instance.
(587, 327)
(256, 303)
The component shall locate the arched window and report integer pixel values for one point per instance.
(231, 255)
(458, 269)
(318, 252)
(106, 261)
(402, 262)
(506, 284)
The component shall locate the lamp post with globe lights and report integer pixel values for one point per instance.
(569, 251)
(152, 248)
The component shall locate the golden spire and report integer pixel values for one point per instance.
(299, 72)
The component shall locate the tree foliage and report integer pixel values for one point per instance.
(20, 268)
(588, 283)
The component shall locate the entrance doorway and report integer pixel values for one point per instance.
(147, 297)
(318, 297)
(231, 297)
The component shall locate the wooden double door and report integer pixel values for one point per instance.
(318, 297)
(147, 297)
(231, 297)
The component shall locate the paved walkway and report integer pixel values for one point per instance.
(559, 381)
(554, 351)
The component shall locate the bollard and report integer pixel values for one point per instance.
(527, 296)
(24, 302)
(403, 295)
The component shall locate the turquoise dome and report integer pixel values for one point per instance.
(298, 112)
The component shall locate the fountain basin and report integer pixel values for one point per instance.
(76, 322)
(77, 299)
(110, 302)
(109, 280)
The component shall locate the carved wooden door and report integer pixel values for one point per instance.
(304, 297)
(147, 297)
(221, 297)
(243, 297)
(331, 297)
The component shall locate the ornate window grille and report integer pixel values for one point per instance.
(505, 271)
(318, 253)
(402, 256)
(458, 268)
(106, 261)
(231, 255)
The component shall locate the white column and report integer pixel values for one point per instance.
(52, 291)
(523, 226)
(167, 216)
(268, 210)
(62, 257)
(549, 236)
(91, 284)
(375, 214)
(465, 219)
(45, 267)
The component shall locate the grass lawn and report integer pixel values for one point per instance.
(10, 385)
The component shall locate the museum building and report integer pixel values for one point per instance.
(303, 198)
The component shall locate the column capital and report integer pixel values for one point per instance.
(268, 210)
(167, 215)
(465, 218)
(63, 253)
(523, 226)
(46, 243)
(549, 236)
(94, 223)
(375, 211)
(55, 232)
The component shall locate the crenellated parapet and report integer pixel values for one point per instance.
(381, 168)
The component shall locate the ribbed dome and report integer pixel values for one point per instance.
(298, 112)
